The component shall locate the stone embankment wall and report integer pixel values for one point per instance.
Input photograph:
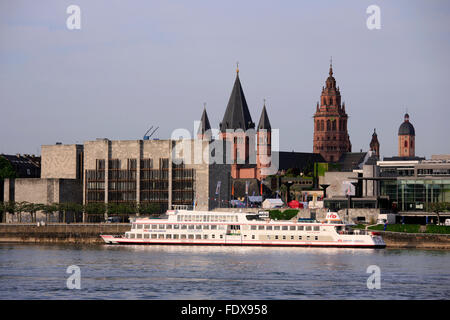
(416, 240)
(57, 233)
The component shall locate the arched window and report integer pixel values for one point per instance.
(406, 144)
(321, 125)
(334, 125)
(328, 125)
(317, 125)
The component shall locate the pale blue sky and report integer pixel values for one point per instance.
(139, 63)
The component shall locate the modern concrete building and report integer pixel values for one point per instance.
(164, 172)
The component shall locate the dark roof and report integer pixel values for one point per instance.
(204, 123)
(299, 160)
(351, 160)
(237, 115)
(402, 158)
(406, 128)
(25, 166)
(264, 122)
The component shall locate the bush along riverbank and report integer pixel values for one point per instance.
(412, 228)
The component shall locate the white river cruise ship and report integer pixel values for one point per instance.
(185, 227)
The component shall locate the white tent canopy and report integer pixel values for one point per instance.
(272, 203)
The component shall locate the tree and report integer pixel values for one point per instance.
(438, 207)
(49, 208)
(6, 169)
(94, 209)
(148, 208)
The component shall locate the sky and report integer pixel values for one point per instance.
(135, 64)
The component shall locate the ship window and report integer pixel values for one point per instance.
(198, 236)
(205, 236)
(292, 237)
(191, 226)
(308, 228)
(292, 228)
(316, 238)
(153, 236)
(147, 226)
(253, 237)
(299, 237)
(213, 236)
(139, 236)
(169, 226)
(260, 227)
(276, 228)
(175, 236)
(307, 238)
(176, 226)
(268, 237)
(132, 235)
(168, 236)
(198, 226)
(285, 227)
(161, 226)
(146, 236)
(269, 228)
(133, 226)
(139, 226)
(253, 227)
(213, 227)
(316, 228)
(161, 236)
(154, 226)
(183, 226)
(276, 237)
(300, 228)
(205, 226)
(183, 236)
(191, 236)
(221, 236)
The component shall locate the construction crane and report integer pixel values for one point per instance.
(147, 137)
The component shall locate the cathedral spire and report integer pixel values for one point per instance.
(205, 128)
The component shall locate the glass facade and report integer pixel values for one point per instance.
(415, 194)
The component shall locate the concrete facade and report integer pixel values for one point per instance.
(61, 161)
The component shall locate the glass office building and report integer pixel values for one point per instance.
(415, 194)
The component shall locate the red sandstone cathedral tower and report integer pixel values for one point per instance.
(331, 137)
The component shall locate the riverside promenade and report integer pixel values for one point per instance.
(60, 232)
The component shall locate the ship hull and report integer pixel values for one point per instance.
(122, 241)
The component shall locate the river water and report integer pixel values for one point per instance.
(194, 272)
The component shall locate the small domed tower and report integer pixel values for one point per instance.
(406, 139)
(374, 144)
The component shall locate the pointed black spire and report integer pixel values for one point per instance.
(237, 115)
(264, 122)
(204, 123)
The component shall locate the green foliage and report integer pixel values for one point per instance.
(283, 215)
(122, 208)
(438, 207)
(6, 169)
(95, 208)
(431, 228)
(292, 172)
(149, 208)
(409, 228)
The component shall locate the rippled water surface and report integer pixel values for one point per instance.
(184, 272)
